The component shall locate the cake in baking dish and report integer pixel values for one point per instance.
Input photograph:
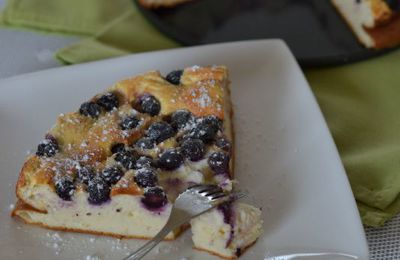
(376, 23)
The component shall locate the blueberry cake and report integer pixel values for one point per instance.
(376, 23)
(161, 3)
(115, 166)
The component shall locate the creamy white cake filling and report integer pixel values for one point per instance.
(123, 215)
(211, 233)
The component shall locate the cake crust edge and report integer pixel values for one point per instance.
(21, 206)
(243, 250)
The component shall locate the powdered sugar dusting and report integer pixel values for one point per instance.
(123, 183)
(92, 257)
(55, 242)
(88, 247)
(202, 97)
(194, 68)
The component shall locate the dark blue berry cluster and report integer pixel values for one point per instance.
(170, 160)
(126, 158)
(160, 131)
(174, 77)
(154, 198)
(98, 185)
(48, 147)
(181, 119)
(129, 122)
(146, 177)
(65, 187)
(108, 102)
(148, 104)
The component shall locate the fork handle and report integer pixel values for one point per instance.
(142, 251)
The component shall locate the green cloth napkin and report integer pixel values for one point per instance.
(84, 17)
(359, 101)
(361, 105)
(117, 28)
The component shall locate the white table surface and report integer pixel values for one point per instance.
(23, 52)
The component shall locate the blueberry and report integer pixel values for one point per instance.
(213, 121)
(90, 109)
(64, 188)
(145, 143)
(146, 177)
(48, 147)
(144, 162)
(170, 160)
(223, 143)
(193, 149)
(174, 77)
(180, 118)
(112, 174)
(149, 104)
(204, 132)
(126, 159)
(160, 131)
(99, 190)
(154, 197)
(129, 122)
(219, 162)
(226, 209)
(108, 101)
(182, 138)
(206, 128)
(117, 148)
(85, 174)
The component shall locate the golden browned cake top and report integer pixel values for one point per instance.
(120, 141)
(381, 11)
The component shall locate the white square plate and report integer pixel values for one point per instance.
(286, 156)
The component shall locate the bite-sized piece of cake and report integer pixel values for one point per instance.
(161, 3)
(376, 23)
(116, 166)
(228, 230)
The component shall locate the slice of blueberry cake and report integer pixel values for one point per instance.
(115, 166)
(376, 23)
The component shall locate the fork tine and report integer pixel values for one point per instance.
(206, 188)
(218, 195)
(197, 187)
(233, 196)
(210, 191)
(194, 186)
(200, 185)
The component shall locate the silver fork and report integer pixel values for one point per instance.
(191, 203)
